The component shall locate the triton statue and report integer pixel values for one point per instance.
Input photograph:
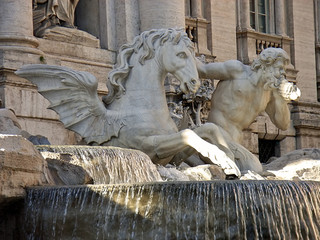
(246, 91)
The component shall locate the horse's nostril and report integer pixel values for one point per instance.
(193, 81)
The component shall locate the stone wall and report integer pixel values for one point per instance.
(223, 29)
(304, 48)
(306, 113)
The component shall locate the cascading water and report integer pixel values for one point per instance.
(178, 210)
(110, 165)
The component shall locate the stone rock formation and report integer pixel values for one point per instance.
(99, 165)
(301, 164)
(21, 165)
(184, 172)
(9, 124)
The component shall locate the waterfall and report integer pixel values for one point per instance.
(110, 165)
(175, 210)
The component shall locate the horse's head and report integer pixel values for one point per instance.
(170, 48)
(178, 58)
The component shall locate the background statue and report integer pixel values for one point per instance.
(47, 13)
(135, 112)
(246, 91)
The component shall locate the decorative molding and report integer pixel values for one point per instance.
(306, 115)
(263, 40)
(196, 29)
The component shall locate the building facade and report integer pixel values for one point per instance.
(220, 30)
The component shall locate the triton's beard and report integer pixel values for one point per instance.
(285, 89)
(272, 82)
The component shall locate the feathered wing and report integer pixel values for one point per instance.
(73, 95)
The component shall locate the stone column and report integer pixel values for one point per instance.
(317, 34)
(244, 15)
(246, 45)
(16, 28)
(196, 8)
(280, 14)
(126, 17)
(161, 14)
(317, 20)
(18, 46)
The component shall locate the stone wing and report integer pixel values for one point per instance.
(73, 95)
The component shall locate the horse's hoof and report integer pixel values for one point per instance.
(232, 172)
(231, 177)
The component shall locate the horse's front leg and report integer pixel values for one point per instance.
(212, 133)
(166, 146)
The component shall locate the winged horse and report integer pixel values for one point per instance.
(135, 114)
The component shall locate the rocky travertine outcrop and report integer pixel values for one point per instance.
(104, 165)
(21, 165)
(9, 124)
(184, 172)
(301, 164)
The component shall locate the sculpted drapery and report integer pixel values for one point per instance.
(47, 13)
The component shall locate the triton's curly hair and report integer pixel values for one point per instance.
(144, 45)
(268, 56)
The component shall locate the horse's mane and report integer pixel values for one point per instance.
(145, 44)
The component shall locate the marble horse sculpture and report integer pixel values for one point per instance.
(135, 114)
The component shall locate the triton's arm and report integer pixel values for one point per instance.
(221, 71)
(278, 111)
(277, 108)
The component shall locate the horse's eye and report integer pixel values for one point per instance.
(182, 55)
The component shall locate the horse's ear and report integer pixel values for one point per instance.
(177, 38)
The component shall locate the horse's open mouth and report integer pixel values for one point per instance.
(192, 86)
(185, 88)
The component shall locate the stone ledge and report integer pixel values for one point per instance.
(306, 115)
(71, 35)
(76, 51)
(307, 123)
